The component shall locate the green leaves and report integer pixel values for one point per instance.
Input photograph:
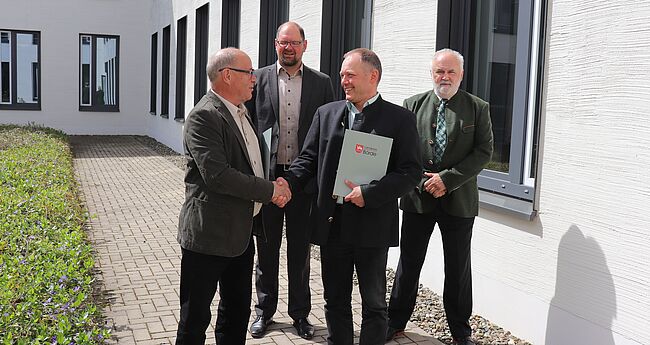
(45, 260)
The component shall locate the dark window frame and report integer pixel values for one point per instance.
(13, 82)
(181, 62)
(510, 190)
(346, 25)
(201, 42)
(93, 73)
(166, 62)
(153, 91)
(272, 14)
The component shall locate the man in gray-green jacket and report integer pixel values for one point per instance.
(456, 143)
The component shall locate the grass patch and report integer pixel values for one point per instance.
(46, 263)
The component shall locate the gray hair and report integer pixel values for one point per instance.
(456, 54)
(368, 57)
(219, 60)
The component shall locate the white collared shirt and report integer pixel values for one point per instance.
(353, 111)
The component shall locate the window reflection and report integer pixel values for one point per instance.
(5, 67)
(105, 72)
(27, 68)
(86, 61)
(493, 68)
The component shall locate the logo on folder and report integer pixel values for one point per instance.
(365, 150)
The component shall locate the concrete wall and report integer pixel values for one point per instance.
(60, 23)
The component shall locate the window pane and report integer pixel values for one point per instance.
(105, 73)
(493, 70)
(26, 57)
(5, 67)
(86, 60)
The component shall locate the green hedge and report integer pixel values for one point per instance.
(46, 262)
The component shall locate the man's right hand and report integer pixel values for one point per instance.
(281, 192)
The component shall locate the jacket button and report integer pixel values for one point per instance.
(433, 125)
(330, 219)
(430, 141)
(430, 162)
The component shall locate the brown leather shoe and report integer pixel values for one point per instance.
(304, 328)
(258, 327)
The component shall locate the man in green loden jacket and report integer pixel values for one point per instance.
(456, 143)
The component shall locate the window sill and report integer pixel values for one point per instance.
(504, 204)
(21, 106)
(164, 116)
(179, 119)
(99, 109)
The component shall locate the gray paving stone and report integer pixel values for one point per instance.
(133, 196)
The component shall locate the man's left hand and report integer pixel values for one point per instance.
(355, 196)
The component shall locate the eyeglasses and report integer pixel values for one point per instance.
(250, 72)
(294, 44)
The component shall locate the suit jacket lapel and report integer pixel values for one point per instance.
(223, 111)
(305, 95)
(272, 90)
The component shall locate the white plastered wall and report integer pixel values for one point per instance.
(309, 15)
(60, 23)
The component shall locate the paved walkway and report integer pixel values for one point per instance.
(134, 196)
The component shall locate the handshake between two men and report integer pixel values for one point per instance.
(282, 193)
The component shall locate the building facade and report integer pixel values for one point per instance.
(560, 248)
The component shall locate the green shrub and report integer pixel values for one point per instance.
(46, 263)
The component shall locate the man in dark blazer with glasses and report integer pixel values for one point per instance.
(224, 190)
(284, 101)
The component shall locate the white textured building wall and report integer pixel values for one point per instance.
(249, 36)
(168, 12)
(404, 37)
(60, 23)
(596, 163)
(579, 272)
(309, 14)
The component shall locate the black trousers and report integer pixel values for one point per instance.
(456, 235)
(338, 261)
(298, 255)
(200, 275)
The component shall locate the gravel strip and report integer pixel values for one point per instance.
(429, 313)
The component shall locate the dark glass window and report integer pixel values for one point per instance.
(272, 14)
(20, 72)
(154, 74)
(164, 97)
(502, 41)
(230, 22)
(181, 57)
(99, 72)
(201, 51)
(346, 25)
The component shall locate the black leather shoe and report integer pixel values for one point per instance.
(258, 327)
(464, 341)
(393, 332)
(304, 328)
